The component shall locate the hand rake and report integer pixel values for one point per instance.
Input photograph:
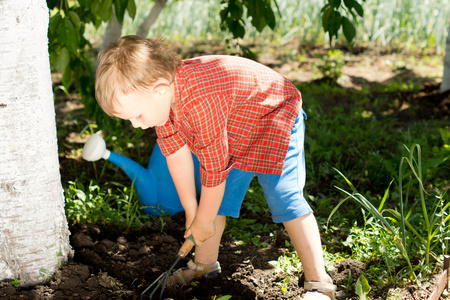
(161, 281)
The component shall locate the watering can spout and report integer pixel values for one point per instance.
(154, 184)
(95, 149)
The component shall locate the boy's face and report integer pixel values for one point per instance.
(148, 108)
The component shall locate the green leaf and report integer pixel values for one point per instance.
(105, 10)
(358, 8)
(336, 3)
(324, 7)
(224, 13)
(334, 23)
(69, 35)
(259, 22)
(237, 29)
(120, 6)
(67, 77)
(54, 23)
(349, 29)
(75, 19)
(255, 9)
(349, 3)
(62, 60)
(269, 15)
(95, 6)
(236, 11)
(326, 18)
(131, 8)
(362, 287)
(51, 4)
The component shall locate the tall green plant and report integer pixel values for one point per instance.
(432, 214)
(376, 212)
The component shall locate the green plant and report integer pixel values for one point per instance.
(283, 284)
(95, 204)
(132, 207)
(252, 233)
(362, 287)
(60, 258)
(331, 65)
(226, 297)
(15, 283)
(163, 224)
(46, 275)
(371, 242)
(435, 218)
(289, 264)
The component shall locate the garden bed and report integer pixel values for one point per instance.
(111, 265)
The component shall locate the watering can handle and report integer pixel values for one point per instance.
(187, 246)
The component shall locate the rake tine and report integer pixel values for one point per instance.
(167, 277)
(153, 283)
(164, 277)
(156, 288)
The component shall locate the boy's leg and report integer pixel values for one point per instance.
(284, 195)
(236, 186)
(208, 253)
(305, 237)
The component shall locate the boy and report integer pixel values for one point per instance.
(239, 118)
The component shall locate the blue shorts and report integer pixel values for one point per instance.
(283, 193)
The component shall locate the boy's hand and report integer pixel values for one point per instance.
(201, 231)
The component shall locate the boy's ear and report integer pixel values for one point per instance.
(161, 87)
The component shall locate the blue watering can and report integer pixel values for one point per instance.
(153, 184)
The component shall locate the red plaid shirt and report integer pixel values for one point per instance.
(232, 112)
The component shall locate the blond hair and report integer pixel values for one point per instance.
(132, 64)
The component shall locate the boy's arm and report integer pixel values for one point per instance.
(181, 168)
(203, 226)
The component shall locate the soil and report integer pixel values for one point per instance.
(109, 264)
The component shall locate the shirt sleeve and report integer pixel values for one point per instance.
(169, 139)
(209, 121)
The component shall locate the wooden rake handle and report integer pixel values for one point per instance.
(187, 246)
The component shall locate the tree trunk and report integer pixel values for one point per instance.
(113, 31)
(445, 85)
(34, 236)
(144, 28)
(114, 28)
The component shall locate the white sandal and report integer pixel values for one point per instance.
(319, 291)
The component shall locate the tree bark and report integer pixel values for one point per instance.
(34, 236)
(114, 28)
(144, 28)
(445, 84)
(113, 31)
